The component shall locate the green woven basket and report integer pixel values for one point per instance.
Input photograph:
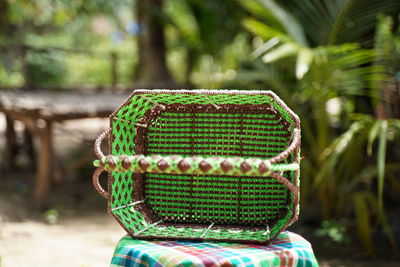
(218, 165)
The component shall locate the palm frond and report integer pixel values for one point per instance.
(285, 50)
(263, 30)
(258, 11)
(289, 22)
(381, 160)
(304, 59)
(181, 16)
(340, 21)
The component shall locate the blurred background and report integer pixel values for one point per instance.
(66, 65)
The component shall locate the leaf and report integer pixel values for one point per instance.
(387, 229)
(382, 217)
(182, 18)
(257, 9)
(395, 123)
(372, 136)
(263, 30)
(340, 16)
(343, 141)
(331, 155)
(362, 220)
(265, 47)
(341, 21)
(284, 50)
(381, 161)
(304, 60)
(268, 74)
(292, 26)
(367, 174)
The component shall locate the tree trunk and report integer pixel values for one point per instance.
(4, 8)
(151, 68)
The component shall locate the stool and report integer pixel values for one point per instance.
(287, 249)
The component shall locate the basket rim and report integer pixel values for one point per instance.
(292, 114)
(296, 125)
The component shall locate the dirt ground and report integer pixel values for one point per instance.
(87, 240)
(75, 230)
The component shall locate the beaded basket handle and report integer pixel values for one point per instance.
(176, 164)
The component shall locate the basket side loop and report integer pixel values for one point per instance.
(96, 183)
(295, 144)
(97, 145)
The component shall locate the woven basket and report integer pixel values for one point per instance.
(202, 165)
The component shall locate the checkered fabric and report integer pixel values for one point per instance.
(288, 249)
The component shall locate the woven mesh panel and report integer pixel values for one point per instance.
(219, 199)
(123, 143)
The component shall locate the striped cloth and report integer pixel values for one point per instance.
(288, 249)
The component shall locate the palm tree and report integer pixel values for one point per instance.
(330, 44)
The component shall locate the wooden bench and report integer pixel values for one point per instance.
(38, 110)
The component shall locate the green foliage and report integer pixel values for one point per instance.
(317, 61)
(334, 231)
(207, 30)
(69, 26)
(95, 68)
(50, 13)
(200, 23)
(336, 22)
(46, 69)
(204, 40)
(363, 222)
(10, 78)
(51, 216)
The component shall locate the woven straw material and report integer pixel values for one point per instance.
(202, 165)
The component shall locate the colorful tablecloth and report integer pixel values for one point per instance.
(288, 249)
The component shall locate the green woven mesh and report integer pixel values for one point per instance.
(122, 186)
(204, 199)
(216, 134)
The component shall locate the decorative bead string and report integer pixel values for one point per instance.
(176, 164)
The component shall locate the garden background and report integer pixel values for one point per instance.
(336, 63)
